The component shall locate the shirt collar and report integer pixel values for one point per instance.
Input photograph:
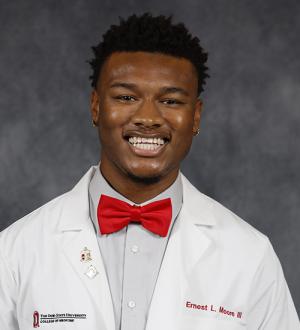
(98, 186)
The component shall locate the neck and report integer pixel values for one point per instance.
(138, 191)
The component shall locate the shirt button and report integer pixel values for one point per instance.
(134, 249)
(131, 304)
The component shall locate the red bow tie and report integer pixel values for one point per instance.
(114, 214)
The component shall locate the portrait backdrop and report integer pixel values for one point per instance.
(247, 153)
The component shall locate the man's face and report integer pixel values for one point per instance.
(147, 111)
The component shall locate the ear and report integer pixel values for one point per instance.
(95, 107)
(197, 115)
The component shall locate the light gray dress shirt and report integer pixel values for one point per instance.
(132, 256)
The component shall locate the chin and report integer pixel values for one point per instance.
(145, 174)
(150, 172)
(140, 178)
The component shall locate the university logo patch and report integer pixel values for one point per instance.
(40, 319)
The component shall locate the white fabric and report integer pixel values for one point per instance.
(213, 259)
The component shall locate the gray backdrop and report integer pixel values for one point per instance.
(247, 155)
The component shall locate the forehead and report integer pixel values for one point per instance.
(152, 68)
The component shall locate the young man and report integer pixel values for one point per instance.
(134, 245)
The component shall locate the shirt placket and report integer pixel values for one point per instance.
(133, 303)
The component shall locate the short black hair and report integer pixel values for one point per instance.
(150, 34)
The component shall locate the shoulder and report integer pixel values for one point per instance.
(32, 225)
(230, 232)
(45, 221)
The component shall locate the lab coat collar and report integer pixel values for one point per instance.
(76, 211)
(198, 205)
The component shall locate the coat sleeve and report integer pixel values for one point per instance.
(271, 306)
(8, 319)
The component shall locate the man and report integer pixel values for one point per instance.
(134, 245)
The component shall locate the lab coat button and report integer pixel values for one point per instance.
(134, 249)
(131, 304)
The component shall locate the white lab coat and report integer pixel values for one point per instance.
(215, 266)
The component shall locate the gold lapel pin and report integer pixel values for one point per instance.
(85, 255)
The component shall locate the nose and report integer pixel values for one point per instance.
(147, 115)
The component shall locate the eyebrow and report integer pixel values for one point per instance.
(124, 85)
(163, 90)
(171, 89)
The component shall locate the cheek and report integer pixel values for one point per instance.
(112, 119)
(181, 122)
(111, 122)
(112, 116)
(182, 126)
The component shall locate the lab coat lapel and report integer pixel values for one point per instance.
(188, 244)
(76, 233)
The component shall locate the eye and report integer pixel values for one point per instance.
(126, 98)
(171, 102)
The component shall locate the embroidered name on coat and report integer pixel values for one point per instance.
(214, 309)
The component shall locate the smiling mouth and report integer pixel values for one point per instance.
(147, 145)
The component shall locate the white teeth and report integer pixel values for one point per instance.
(144, 143)
(146, 146)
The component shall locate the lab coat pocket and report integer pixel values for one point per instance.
(209, 323)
